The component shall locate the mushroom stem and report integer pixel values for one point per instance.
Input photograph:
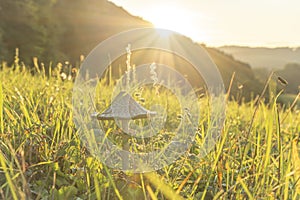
(126, 147)
(125, 125)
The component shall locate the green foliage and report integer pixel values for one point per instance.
(59, 29)
(20, 26)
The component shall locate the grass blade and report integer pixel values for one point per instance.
(245, 187)
(157, 181)
(7, 176)
(296, 164)
(1, 110)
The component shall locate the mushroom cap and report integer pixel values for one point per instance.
(124, 107)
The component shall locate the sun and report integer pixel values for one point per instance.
(173, 18)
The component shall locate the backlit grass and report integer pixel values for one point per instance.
(42, 156)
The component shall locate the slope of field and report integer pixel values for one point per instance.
(245, 84)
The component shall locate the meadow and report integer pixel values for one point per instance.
(42, 156)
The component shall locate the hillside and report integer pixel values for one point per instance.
(244, 83)
(271, 58)
(291, 73)
(92, 23)
(65, 29)
(59, 30)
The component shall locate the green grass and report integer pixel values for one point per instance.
(41, 155)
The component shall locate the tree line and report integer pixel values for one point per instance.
(58, 30)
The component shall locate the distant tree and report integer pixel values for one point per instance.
(58, 30)
(31, 26)
(18, 18)
(51, 29)
(3, 51)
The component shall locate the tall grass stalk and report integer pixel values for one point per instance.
(1, 110)
(8, 177)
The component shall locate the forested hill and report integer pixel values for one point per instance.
(62, 30)
(55, 30)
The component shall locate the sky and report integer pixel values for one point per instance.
(269, 23)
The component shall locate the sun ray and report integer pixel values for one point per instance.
(177, 19)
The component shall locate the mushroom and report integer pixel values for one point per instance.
(124, 108)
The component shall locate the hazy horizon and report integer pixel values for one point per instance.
(268, 23)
